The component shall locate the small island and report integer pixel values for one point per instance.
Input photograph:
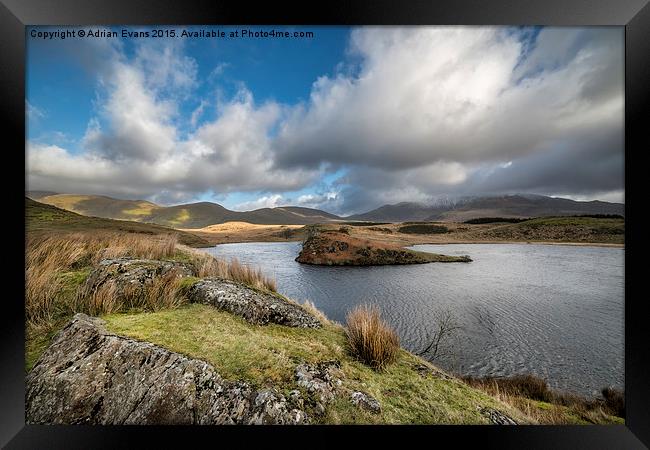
(336, 247)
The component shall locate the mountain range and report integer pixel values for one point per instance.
(198, 215)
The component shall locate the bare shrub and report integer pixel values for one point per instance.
(445, 329)
(371, 340)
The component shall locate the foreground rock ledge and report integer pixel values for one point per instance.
(90, 376)
(131, 277)
(255, 306)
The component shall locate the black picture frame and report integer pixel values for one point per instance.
(15, 15)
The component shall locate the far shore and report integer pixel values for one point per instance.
(576, 244)
(243, 232)
(573, 244)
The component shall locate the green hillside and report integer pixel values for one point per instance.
(192, 215)
(41, 218)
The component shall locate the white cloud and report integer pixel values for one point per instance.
(270, 201)
(425, 111)
(196, 114)
(33, 113)
(134, 146)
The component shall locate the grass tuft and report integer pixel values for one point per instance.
(533, 396)
(208, 266)
(371, 340)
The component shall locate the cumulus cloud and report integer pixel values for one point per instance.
(134, 147)
(468, 110)
(415, 112)
(267, 201)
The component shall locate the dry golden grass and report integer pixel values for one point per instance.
(310, 307)
(531, 395)
(57, 265)
(208, 266)
(47, 258)
(371, 340)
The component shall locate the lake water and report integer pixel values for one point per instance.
(555, 311)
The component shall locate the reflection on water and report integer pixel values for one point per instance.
(554, 311)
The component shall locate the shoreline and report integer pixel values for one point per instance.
(572, 244)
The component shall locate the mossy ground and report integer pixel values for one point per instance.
(267, 356)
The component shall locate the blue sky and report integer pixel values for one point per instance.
(345, 121)
(59, 81)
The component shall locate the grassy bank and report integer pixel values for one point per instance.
(559, 229)
(533, 396)
(409, 389)
(57, 265)
(267, 356)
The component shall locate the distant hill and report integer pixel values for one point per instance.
(202, 214)
(192, 215)
(499, 206)
(40, 217)
(400, 212)
(35, 195)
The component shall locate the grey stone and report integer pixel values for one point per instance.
(365, 401)
(321, 380)
(132, 276)
(497, 417)
(90, 376)
(296, 398)
(255, 306)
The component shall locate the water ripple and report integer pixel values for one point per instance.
(554, 311)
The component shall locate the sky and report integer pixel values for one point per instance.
(345, 121)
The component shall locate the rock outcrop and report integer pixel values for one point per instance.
(255, 306)
(321, 380)
(90, 376)
(365, 401)
(335, 248)
(131, 276)
(497, 417)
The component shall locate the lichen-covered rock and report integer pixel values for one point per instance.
(255, 306)
(321, 380)
(131, 276)
(497, 417)
(90, 376)
(365, 401)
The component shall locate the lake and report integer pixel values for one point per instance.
(555, 311)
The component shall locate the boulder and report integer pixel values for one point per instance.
(90, 376)
(130, 276)
(497, 417)
(255, 306)
(321, 380)
(365, 401)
